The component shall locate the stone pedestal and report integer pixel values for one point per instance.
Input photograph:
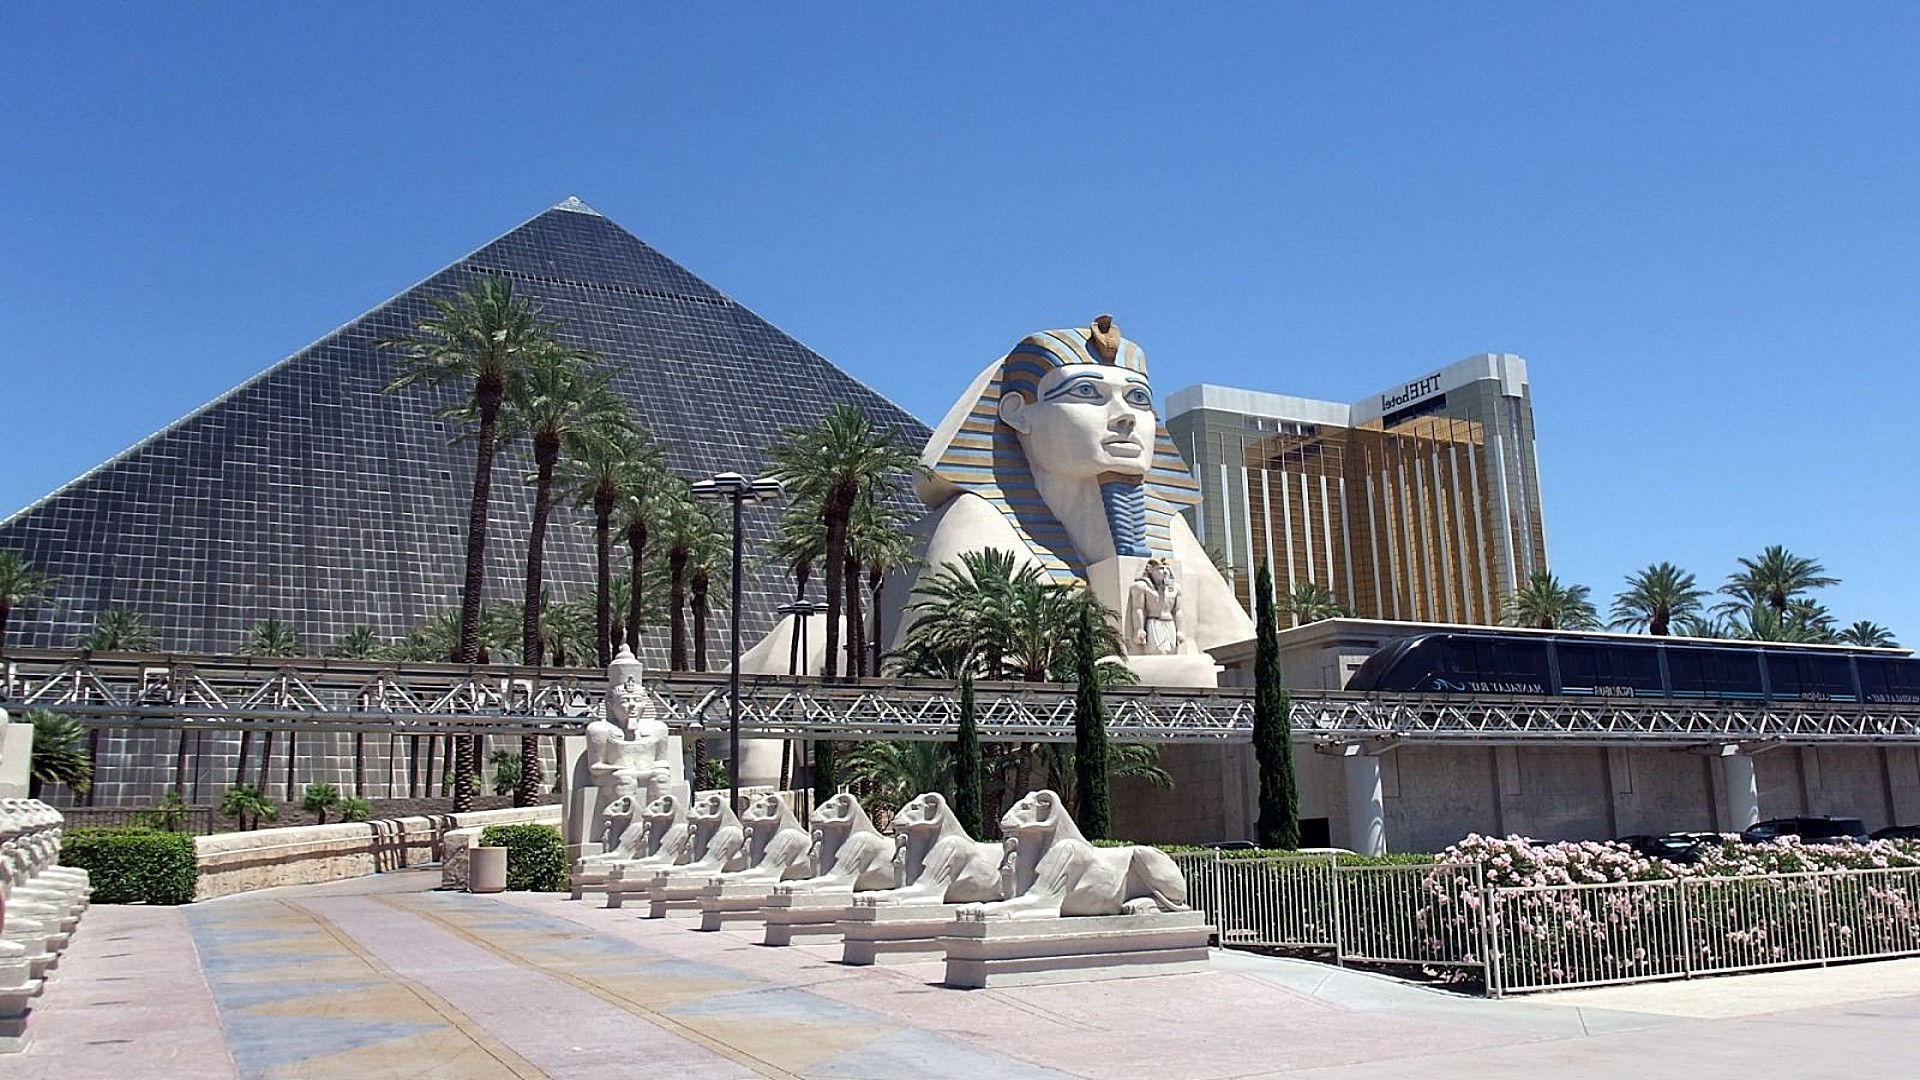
(733, 901)
(676, 892)
(983, 951)
(895, 933)
(807, 916)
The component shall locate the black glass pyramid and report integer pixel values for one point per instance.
(308, 494)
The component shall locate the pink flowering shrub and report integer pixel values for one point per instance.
(1595, 911)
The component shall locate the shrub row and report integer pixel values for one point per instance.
(134, 865)
(536, 856)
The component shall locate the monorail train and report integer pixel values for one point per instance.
(1531, 662)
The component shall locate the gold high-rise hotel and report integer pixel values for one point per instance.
(1421, 502)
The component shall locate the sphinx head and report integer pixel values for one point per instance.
(764, 809)
(708, 807)
(1039, 813)
(1081, 404)
(664, 808)
(923, 813)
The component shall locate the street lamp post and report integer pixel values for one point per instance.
(803, 610)
(738, 490)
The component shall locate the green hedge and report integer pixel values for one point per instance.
(134, 865)
(536, 856)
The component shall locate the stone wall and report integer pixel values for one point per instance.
(308, 854)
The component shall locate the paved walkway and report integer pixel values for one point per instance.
(381, 978)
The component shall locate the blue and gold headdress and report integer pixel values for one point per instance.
(976, 452)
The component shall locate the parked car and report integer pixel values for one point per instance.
(1678, 847)
(1811, 830)
(1898, 832)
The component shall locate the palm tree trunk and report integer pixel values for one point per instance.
(836, 519)
(677, 601)
(637, 552)
(6, 611)
(856, 624)
(240, 766)
(180, 764)
(487, 392)
(603, 575)
(359, 765)
(546, 451)
(701, 582)
(876, 581)
(266, 763)
(293, 739)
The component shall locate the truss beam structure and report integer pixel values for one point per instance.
(127, 690)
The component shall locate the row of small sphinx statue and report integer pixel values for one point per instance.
(1044, 868)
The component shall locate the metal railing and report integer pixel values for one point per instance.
(197, 820)
(1552, 937)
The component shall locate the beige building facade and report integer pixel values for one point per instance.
(1421, 502)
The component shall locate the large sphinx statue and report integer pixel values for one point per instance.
(1055, 454)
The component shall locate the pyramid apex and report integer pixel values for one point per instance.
(572, 205)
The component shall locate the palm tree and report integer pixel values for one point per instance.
(1309, 603)
(271, 637)
(565, 405)
(120, 629)
(248, 805)
(651, 492)
(1775, 578)
(477, 340)
(1868, 633)
(58, 756)
(1804, 621)
(358, 643)
(22, 585)
(878, 538)
(964, 614)
(889, 772)
(709, 563)
(597, 477)
(1546, 604)
(1654, 598)
(839, 460)
(687, 527)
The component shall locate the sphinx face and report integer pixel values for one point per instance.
(763, 808)
(659, 809)
(839, 808)
(1090, 420)
(919, 812)
(1035, 810)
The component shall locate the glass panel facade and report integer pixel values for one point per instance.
(1420, 504)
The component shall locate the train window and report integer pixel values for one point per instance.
(1609, 670)
(1889, 681)
(1714, 672)
(1808, 677)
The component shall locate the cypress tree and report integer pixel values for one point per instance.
(1279, 825)
(966, 762)
(1089, 733)
(825, 784)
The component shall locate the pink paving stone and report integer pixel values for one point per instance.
(1216, 1024)
(127, 1001)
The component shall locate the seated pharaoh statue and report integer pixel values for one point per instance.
(629, 756)
(1056, 455)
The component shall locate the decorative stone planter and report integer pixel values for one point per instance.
(487, 869)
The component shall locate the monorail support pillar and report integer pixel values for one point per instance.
(1366, 804)
(1742, 790)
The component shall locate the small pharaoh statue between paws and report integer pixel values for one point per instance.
(1153, 611)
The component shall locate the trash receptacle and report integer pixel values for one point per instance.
(486, 869)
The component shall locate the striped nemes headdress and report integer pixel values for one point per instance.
(982, 455)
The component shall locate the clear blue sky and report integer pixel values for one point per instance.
(1697, 223)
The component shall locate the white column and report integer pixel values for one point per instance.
(1743, 793)
(1366, 808)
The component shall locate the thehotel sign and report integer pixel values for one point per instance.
(1410, 393)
